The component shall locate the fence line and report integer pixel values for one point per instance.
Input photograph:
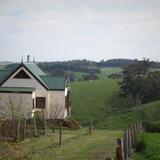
(127, 143)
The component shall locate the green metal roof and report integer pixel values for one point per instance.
(49, 82)
(57, 83)
(4, 74)
(16, 89)
(54, 83)
(32, 67)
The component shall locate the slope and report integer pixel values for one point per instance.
(99, 100)
(95, 99)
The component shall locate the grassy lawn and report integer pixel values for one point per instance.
(77, 145)
(95, 99)
(152, 147)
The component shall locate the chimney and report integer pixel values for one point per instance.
(33, 60)
(28, 56)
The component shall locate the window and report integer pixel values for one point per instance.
(40, 102)
(22, 74)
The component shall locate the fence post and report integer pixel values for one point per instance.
(138, 128)
(141, 126)
(35, 126)
(90, 127)
(129, 143)
(125, 144)
(132, 135)
(24, 129)
(119, 149)
(60, 132)
(44, 119)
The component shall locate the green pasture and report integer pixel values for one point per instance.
(76, 145)
(151, 152)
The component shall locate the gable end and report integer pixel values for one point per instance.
(14, 71)
(22, 75)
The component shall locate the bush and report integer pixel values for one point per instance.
(140, 146)
(115, 76)
(152, 127)
(71, 123)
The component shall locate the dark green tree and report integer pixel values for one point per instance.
(133, 84)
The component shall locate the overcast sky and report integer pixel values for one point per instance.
(51, 30)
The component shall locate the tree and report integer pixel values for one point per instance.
(14, 111)
(134, 81)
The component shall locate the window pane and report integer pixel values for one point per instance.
(40, 102)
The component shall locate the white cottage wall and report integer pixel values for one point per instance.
(25, 98)
(57, 104)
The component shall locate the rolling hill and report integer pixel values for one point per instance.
(96, 99)
(99, 100)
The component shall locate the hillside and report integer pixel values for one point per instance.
(96, 99)
(99, 100)
(122, 119)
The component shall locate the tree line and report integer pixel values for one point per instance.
(139, 83)
(91, 68)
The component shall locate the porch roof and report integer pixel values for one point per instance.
(54, 83)
(16, 90)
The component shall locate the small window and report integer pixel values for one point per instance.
(22, 74)
(40, 102)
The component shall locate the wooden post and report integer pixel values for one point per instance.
(119, 149)
(138, 128)
(18, 129)
(60, 132)
(125, 145)
(90, 127)
(129, 142)
(44, 118)
(141, 127)
(35, 126)
(126, 134)
(131, 135)
(24, 129)
(134, 135)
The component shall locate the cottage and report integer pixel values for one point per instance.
(29, 85)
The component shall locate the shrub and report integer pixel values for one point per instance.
(71, 123)
(39, 116)
(140, 146)
(152, 127)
